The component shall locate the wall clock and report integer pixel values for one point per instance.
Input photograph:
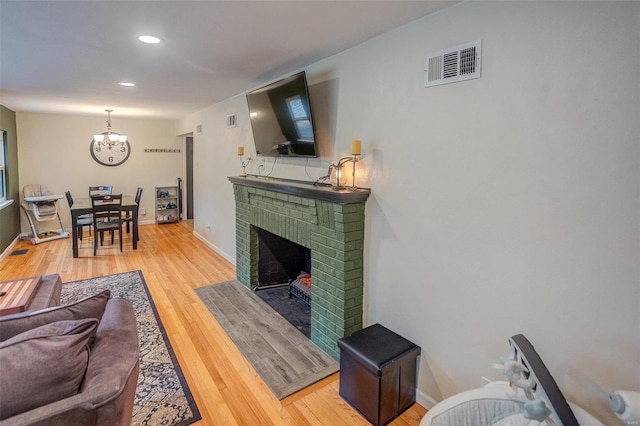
(110, 153)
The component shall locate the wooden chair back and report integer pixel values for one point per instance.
(107, 208)
(138, 196)
(100, 190)
(69, 198)
(128, 216)
(107, 216)
(82, 220)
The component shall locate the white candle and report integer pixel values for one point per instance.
(240, 151)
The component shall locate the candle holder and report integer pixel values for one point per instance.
(244, 164)
(356, 150)
(337, 172)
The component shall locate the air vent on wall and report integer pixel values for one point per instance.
(455, 64)
(232, 120)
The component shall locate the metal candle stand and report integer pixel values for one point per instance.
(338, 168)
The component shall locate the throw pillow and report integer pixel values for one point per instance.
(44, 365)
(91, 307)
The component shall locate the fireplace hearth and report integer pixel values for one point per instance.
(329, 225)
(283, 278)
(292, 309)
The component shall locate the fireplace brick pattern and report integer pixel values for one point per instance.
(335, 234)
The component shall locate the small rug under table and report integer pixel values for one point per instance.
(284, 358)
(162, 394)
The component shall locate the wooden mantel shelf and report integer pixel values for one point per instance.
(306, 189)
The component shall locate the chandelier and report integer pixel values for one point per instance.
(109, 138)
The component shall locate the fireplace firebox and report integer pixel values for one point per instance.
(279, 259)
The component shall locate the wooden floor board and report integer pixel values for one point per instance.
(173, 261)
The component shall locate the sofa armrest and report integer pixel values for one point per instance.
(112, 373)
(48, 294)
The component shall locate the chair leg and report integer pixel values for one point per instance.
(120, 237)
(95, 243)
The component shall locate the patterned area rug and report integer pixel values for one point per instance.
(284, 358)
(162, 395)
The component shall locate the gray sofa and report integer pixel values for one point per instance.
(71, 365)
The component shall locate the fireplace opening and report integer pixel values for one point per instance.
(284, 280)
(280, 260)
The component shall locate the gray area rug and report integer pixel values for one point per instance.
(284, 358)
(162, 395)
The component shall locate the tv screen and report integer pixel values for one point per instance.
(281, 119)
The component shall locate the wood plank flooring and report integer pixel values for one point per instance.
(226, 388)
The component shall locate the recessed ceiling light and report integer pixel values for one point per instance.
(149, 39)
(125, 84)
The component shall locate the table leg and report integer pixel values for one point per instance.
(74, 233)
(135, 229)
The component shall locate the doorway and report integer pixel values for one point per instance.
(189, 172)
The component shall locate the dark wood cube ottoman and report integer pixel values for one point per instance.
(378, 373)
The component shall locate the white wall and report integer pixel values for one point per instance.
(502, 205)
(54, 150)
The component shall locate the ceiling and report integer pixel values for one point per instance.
(69, 56)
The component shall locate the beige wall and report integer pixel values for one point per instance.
(502, 205)
(54, 150)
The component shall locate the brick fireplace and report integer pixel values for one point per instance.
(329, 223)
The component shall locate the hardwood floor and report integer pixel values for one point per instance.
(226, 388)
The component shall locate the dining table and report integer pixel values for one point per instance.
(82, 206)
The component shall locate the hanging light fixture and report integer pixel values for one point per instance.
(109, 138)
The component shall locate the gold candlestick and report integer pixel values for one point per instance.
(243, 163)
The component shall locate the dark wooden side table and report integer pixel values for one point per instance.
(378, 373)
(18, 294)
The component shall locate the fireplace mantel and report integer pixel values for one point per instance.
(305, 189)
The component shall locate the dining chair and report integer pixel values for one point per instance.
(83, 219)
(127, 216)
(107, 216)
(100, 190)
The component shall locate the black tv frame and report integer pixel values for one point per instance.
(279, 132)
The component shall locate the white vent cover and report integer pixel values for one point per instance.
(232, 120)
(455, 64)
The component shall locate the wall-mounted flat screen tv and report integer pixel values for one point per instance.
(281, 120)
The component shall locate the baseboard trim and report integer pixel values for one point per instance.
(9, 249)
(215, 248)
(425, 400)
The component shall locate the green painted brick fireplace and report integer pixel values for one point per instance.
(330, 224)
